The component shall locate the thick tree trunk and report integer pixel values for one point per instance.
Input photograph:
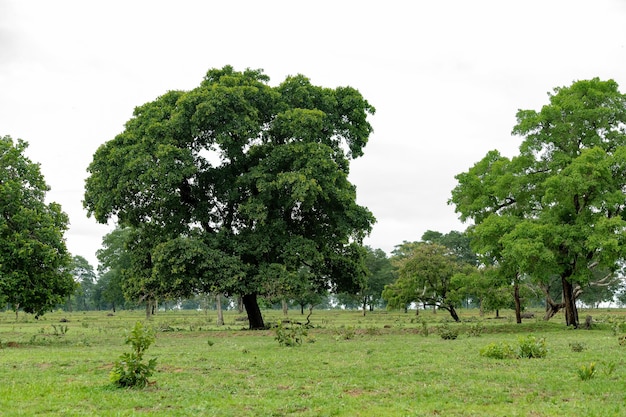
(285, 307)
(255, 318)
(518, 304)
(218, 306)
(571, 312)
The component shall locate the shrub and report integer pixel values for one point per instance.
(475, 329)
(290, 336)
(577, 346)
(500, 350)
(448, 333)
(531, 347)
(130, 370)
(345, 333)
(586, 372)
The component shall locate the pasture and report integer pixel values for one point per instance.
(382, 364)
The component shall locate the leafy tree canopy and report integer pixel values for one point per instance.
(430, 274)
(563, 194)
(34, 262)
(252, 173)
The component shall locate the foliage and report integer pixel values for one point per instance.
(85, 276)
(429, 274)
(379, 272)
(459, 243)
(532, 347)
(113, 260)
(529, 347)
(290, 335)
(498, 350)
(345, 333)
(476, 329)
(448, 333)
(587, 372)
(559, 204)
(258, 174)
(130, 370)
(34, 261)
(577, 346)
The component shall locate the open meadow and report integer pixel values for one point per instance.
(382, 364)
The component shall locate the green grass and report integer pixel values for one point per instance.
(378, 365)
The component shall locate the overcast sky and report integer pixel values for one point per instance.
(446, 78)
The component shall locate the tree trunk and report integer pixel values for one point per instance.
(285, 307)
(518, 304)
(571, 312)
(453, 313)
(148, 308)
(364, 306)
(255, 318)
(239, 304)
(218, 306)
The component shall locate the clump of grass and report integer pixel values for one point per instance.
(346, 333)
(577, 346)
(608, 368)
(372, 331)
(61, 330)
(131, 370)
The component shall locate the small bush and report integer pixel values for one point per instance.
(531, 347)
(586, 372)
(475, 329)
(577, 346)
(372, 331)
(448, 333)
(346, 333)
(290, 336)
(130, 370)
(500, 350)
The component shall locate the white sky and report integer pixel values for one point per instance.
(446, 78)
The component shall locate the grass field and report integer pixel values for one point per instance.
(349, 365)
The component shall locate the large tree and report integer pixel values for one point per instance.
(563, 195)
(34, 261)
(257, 173)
